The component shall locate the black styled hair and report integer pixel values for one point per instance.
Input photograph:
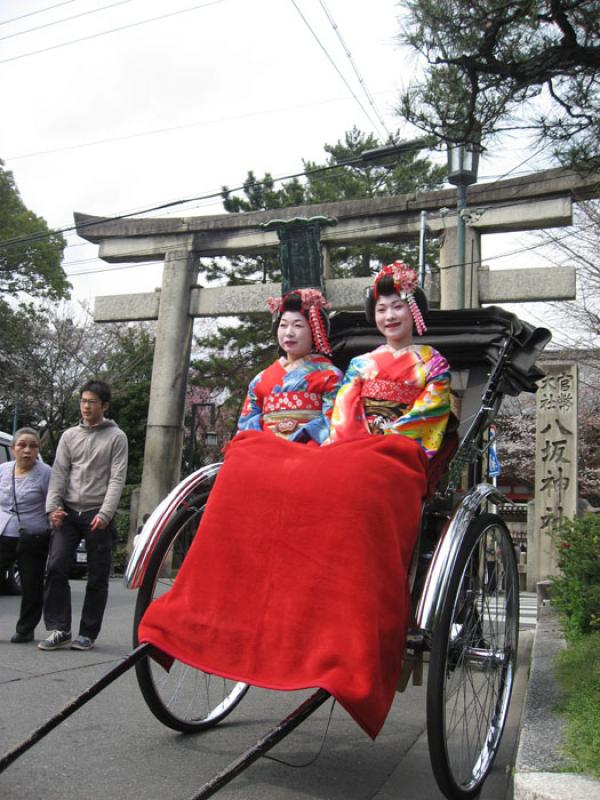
(386, 287)
(100, 388)
(293, 302)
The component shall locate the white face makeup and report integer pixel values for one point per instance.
(394, 320)
(294, 335)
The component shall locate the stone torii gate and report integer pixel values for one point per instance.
(537, 201)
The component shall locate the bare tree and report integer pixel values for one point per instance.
(579, 247)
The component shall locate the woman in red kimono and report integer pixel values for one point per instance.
(309, 547)
(293, 397)
(401, 387)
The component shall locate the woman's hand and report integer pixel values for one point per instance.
(57, 516)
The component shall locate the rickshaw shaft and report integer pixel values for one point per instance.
(74, 704)
(263, 745)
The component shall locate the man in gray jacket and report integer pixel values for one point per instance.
(87, 479)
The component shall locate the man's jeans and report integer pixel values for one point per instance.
(57, 594)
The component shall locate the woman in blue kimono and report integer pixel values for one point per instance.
(293, 397)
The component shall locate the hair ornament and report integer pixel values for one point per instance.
(404, 277)
(309, 298)
(405, 282)
(312, 303)
(317, 326)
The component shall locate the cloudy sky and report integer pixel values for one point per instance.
(113, 107)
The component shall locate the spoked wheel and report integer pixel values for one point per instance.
(184, 698)
(473, 659)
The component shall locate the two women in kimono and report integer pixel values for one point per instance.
(310, 546)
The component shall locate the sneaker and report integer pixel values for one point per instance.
(56, 640)
(82, 643)
(21, 638)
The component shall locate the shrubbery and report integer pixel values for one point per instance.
(576, 593)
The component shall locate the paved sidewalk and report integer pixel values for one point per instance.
(541, 771)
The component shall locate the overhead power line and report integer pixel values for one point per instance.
(359, 77)
(355, 229)
(112, 30)
(335, 66)
(173, 128)
(17, 241)
(64, 19)
(33, 13)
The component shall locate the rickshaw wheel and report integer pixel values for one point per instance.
(184, 698)
(473, 659)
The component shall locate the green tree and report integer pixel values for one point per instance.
(58, 349)
(487, 60)
(230, 356)
(30, 254)
(341, 176)
(576, 592)
(128, 370)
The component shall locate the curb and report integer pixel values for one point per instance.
(539, 753)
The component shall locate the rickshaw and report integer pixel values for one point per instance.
(464, 578)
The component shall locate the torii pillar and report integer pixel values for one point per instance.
(164, 432)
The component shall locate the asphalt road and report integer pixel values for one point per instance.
(114, 748)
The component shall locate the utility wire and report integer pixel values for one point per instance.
(65, 19)
(112, 30)
(33, 13)
(359, 77)
(355, 229)
(335, 66)
(16, 241)
(526, 160)
(162, 206)
(184, 126)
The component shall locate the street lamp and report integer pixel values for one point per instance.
(463, 163)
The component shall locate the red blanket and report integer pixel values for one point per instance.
(297, 577)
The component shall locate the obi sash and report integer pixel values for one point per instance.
(385, 401)
(283, 412)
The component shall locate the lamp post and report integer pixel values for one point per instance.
(463, 163)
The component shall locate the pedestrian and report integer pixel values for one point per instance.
(24, 531)
(87, 479)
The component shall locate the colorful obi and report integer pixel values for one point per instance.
(283, 412)
(385, 401)
(391, 391)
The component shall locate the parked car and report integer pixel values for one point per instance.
(5, 440)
